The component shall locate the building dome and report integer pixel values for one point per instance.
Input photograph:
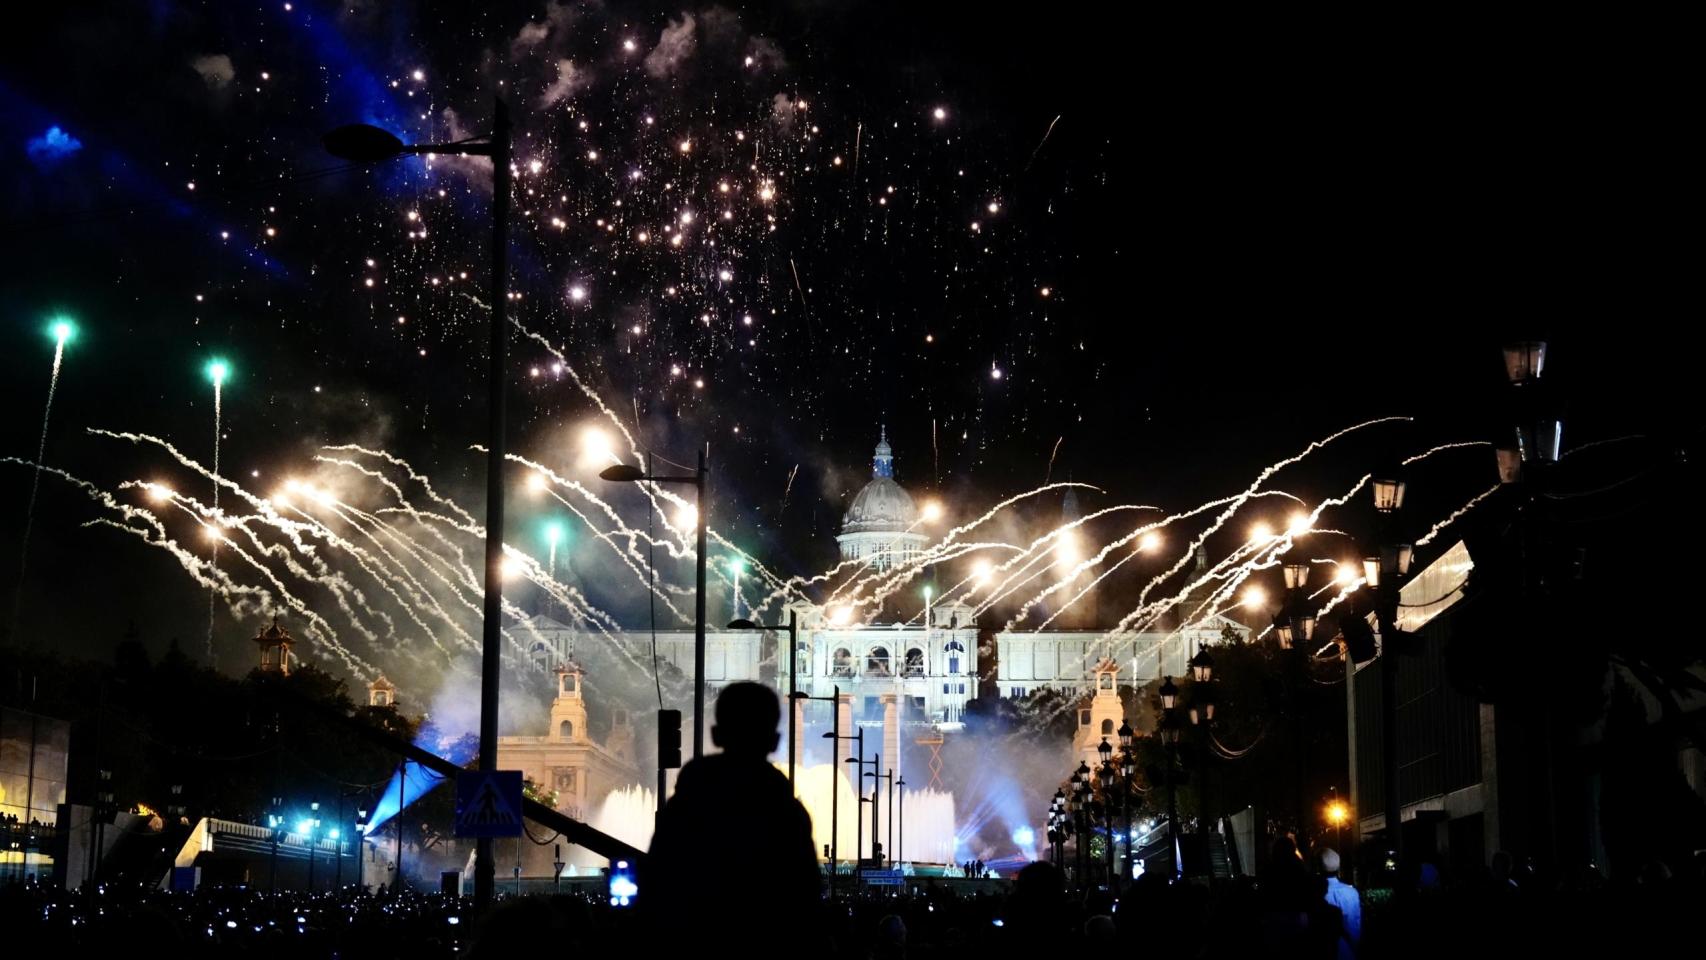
(882, 506)
(879, 525)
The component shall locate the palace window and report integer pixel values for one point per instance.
(841, 664)
(877, 663)
(566, 729)
(914, 663)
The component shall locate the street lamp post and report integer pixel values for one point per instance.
(1085, 791)
(275, 820)
(876, 795)
(1383, 572)
(627, 473)
(833, 736)
(368, 144)
(1105, 751)
(888, 845)
(1170, 738)
(1056, 822)
(858, 823)
(1127, 768)
(900, 851)
(793, 677)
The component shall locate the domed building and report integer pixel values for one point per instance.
(880, 526)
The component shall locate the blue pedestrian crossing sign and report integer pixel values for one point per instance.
(488, 803)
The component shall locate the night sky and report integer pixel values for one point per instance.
(1141, 254)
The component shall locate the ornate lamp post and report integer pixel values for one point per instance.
(1390, 561)
(1128, 767)
(1084, 795)
(1170, 738)
(1105, 750)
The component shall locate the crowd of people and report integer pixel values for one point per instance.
(732, 871)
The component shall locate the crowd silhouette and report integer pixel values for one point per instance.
(732, 872)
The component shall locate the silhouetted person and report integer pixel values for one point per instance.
(1037, 916)
(1344, 896)
(732, 837)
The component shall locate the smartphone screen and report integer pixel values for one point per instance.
(622, 886)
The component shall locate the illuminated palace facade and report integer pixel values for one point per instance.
(917, 672)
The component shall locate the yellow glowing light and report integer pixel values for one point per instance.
(1068, 552)
(1255, 597)
(1298, 523)
(537, 483)
(1338, 813)
(1260, 532)
(982, 570)
(595, 446)
(932, 511)
(1345, 573)
(281, 498)
(1149, 542)
(509, 568)
(159, 492)
(841, 616)
(686, 516)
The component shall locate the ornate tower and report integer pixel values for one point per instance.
(381, 693)
(275, 643)
(568, 710)
(1102, 717)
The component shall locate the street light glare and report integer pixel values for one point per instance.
(596, 447)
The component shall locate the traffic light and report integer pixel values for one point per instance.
(669, 739)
